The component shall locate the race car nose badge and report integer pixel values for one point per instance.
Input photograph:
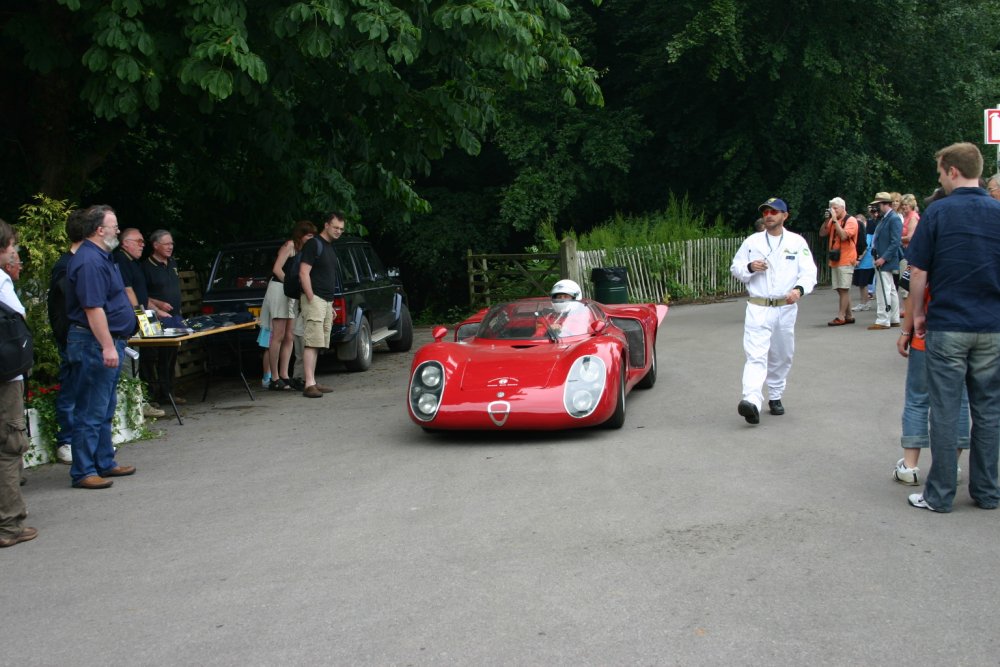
(498, 411)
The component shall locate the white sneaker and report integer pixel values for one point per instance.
(958, 474)
(917, 500)
(858, 307)
(151, 412)
(904, 475)
(64, 454)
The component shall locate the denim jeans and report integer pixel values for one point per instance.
(65, 399)
(96, 399)
(916, 405)
(956, 359)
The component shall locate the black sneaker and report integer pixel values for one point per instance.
(298, 384)
(749, 412)
(776, 407)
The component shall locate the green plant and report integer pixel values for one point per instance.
(43, 400)
(131, 392)
(128, 416)
(680, 221)
(41, 235)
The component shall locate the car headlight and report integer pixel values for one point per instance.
(430, 376)
(584, 385)
(426, 389)
(427, 404)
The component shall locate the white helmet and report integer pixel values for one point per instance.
(567, 287)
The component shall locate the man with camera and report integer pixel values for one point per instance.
(842, 230)
(887, 250)
(778, 270)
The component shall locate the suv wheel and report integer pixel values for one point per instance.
(403, 340)
(363, 360)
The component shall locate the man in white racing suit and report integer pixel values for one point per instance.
(778, 270)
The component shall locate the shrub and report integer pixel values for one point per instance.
(41, 236)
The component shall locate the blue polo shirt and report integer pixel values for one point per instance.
(94, 281)
(958, 244)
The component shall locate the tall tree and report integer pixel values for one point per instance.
(340, 100)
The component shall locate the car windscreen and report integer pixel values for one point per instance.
(535, 319)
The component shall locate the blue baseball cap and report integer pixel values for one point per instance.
(775, 203)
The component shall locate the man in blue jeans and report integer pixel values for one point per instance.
(101, 320)
(56, 299)
(957, 250)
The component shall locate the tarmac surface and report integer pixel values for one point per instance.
(334, 531)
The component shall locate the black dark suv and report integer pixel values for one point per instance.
(370, 307)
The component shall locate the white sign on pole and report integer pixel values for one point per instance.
(992, 126)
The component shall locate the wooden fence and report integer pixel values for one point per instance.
(656, 273)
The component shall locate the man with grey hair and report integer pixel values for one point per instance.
(993, 186)
(101, 321)
(842, 230)
(163, 286)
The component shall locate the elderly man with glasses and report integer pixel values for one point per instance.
(993, 186)
(101, 320)
(163, 284)
(128, 257)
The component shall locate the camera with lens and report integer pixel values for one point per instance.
(827, 214)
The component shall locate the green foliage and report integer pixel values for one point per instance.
(280, 108)
(41, 236)
(128, 415)
(680, 221)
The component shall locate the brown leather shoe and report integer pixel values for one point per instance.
(894, 324)
(119, 471)
(874, 327)
(92, 482)
(312, 392)
(25, 535)
(323, 388)
(180, 400)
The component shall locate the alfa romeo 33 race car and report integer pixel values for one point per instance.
(536, 364)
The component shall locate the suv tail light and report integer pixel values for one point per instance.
(339, 312)
(207, 309)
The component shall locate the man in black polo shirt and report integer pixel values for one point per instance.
(318, 275)
(101, 320)
(128, 257)
(163, 286)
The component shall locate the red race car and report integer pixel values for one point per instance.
(536, 364)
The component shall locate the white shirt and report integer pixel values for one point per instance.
(789, 263)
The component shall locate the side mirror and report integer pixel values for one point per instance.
(598, 326)
(439, 332)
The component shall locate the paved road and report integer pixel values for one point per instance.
(333, 531)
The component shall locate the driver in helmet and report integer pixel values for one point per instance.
(565, 295)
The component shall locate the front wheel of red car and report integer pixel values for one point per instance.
(617, 419)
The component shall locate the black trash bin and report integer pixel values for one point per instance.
(610, 284)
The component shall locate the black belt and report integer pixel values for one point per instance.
(114, 336)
